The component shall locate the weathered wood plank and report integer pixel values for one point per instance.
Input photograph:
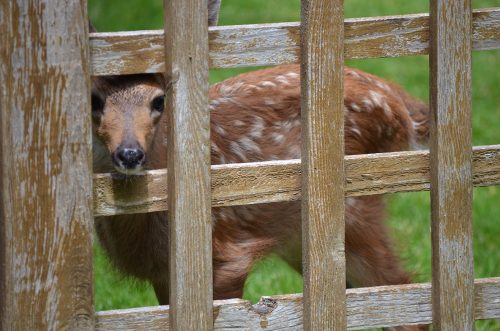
(451, 164)
(46, 171)
(270, 44)
(186, 50)
(373, 307)
(274, 181)
(323, 211)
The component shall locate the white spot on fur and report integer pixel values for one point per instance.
(415, 146)
(350, 202)
(238, 123)
(355, 107)
(352, 73)
(287, 125)
(217, 102)
(382, 85)
(222, 159)
(376, 98)
(222, 214)
(380, 101)
(266, 83)
(282, 80)
(292, 75)
(417, 124)
(246, 213)
(238, 151)
(294, 152)
(229, 90)
(252, 88)
(277, 138)
(387, 110)
(354, 127)
(269, 101)
(368, 104)
(215, 148)
(257, 128)
(356, 131)
(219, 130)
(249, 145)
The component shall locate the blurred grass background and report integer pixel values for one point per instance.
(408, 213)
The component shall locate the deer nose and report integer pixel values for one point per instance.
(131, 157)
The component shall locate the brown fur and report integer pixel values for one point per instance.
(256, 117)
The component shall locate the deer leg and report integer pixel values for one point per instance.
(233, 261)
(370, 259)
(162, 292)
(369, 254)
(239, 240)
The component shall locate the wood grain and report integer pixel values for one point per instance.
(271, 44)
(323, 211)
(274, 181)
(367, 308)
(189, 165)
(451, 165)
(46, 171)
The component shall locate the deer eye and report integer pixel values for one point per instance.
(97, 103)
(97, 107)
(158, 103)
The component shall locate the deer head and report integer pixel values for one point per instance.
(126, 111)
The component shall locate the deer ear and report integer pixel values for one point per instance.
(91, 27)
(213, 12)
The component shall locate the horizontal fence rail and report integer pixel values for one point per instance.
(270, 44)
(369, 307)
(274, 181)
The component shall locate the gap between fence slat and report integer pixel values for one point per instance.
(451, 164)
(271, 44)
(189, 165)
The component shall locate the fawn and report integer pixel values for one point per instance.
(253, 117)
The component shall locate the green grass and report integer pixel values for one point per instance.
(408, 214)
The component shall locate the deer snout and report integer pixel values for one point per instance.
(129, 160)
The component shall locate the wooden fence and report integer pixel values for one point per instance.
(46, 181)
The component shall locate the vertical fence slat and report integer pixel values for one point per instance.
(189, 165)
(46, 171)
(451, 165)
(323, 165)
